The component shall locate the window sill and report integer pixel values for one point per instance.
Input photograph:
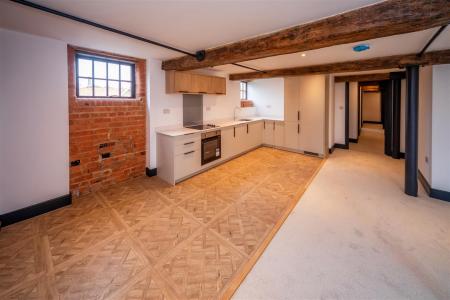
(107, 99)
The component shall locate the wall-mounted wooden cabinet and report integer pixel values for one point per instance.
(190, 83)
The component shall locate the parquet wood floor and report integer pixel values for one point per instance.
(145, 239)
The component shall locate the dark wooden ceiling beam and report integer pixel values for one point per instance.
(382, 19)
(363, 77)
(380, 63)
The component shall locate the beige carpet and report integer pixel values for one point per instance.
(356, 235)
(370, 140)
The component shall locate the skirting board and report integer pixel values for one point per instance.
(433, 193)
(331, 150)
(353, 141)
(151, 172)
(35, 210)
(373, 122)
(340, 146)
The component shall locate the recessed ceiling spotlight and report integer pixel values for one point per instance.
(361, 47)
(303, 54)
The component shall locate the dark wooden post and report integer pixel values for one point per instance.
(412, 122)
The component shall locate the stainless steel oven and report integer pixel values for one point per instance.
(211, 146)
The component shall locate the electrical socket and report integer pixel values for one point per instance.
(166, 111)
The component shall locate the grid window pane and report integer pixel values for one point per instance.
(125, 72)
(99, 69)
(104, 78)
(99, 88)
(113, 71)
(84, 87)
(113, 88)
(125, 89)
(84, 67)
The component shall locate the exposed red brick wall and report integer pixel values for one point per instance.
(98, 126)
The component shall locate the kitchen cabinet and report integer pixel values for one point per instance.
(187, 163)
(255, 132)
(279, 134)
(292, 135)
(292, 99)
(241, 138)
(179, 156)
(218, 85)
(252, 135)
(305, 113)
(234, 140)
(201, 84)
(191, 83)
(228, 142)
(268, 132)
(273, 133)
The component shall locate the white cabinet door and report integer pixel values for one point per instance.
(228, 142)
(312, 113)
(291, 135)
(241, 138)
(255, 134)
(268, 133)
(187, 163)
(279, 134)
(291, 99)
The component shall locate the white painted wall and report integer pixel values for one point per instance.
(339, 113)
(371, 107)
(34, 126)
(440, 171)
(425, 108)
(267, 96)
(353, 111)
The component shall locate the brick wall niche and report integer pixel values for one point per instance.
(106, 136)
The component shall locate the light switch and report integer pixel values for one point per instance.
(208, 108)
(166, 111)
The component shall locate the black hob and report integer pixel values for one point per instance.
(201, 127)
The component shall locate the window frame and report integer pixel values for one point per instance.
(106, 60)
(245, 90)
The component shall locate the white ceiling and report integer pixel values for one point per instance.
(194, 25)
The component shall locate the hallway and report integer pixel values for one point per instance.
(371, 139)
(360, 237)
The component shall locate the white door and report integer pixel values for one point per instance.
(279, 134)
(291, 135)
(291, 98)
(268, 133)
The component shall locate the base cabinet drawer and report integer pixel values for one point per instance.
(186, 147)
(187, 163)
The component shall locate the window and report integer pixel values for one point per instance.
(243, 90)
(100, 77)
